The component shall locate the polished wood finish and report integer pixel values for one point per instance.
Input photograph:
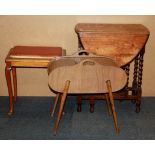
(125, 43)
(26, 56)
(121, 42)
(88, 75)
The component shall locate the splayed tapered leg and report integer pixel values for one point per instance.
(108, 104)
(55, 104)
(112, 104)
(62, 103)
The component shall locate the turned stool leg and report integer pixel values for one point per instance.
(64, 95)
(108, 104)
(112, 104)
(55, 104)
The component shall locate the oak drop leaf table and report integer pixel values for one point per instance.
(124, 43)
(26, 56)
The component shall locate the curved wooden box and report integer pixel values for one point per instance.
(86, 76)
(121, 42)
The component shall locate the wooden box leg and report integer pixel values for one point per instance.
(112, 105)
(62, 103)
(108, 104)
(55, 104)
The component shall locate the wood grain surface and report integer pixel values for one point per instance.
(121, 42)
(86, 76)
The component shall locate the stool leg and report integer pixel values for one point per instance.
(108, 104)
(63, 113)
(14, 76)
(64, 95)
(112, 104)
(55, 104)
(9, 84)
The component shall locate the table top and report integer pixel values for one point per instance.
(111, 28)
(121, 42)
(87, 74)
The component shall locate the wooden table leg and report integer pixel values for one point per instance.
(92, 103)
(14, 76)
(79, 104)
(9, 84)
(139, 100)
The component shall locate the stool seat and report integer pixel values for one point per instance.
(30, 57)
(33, 56)
(35, 52)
